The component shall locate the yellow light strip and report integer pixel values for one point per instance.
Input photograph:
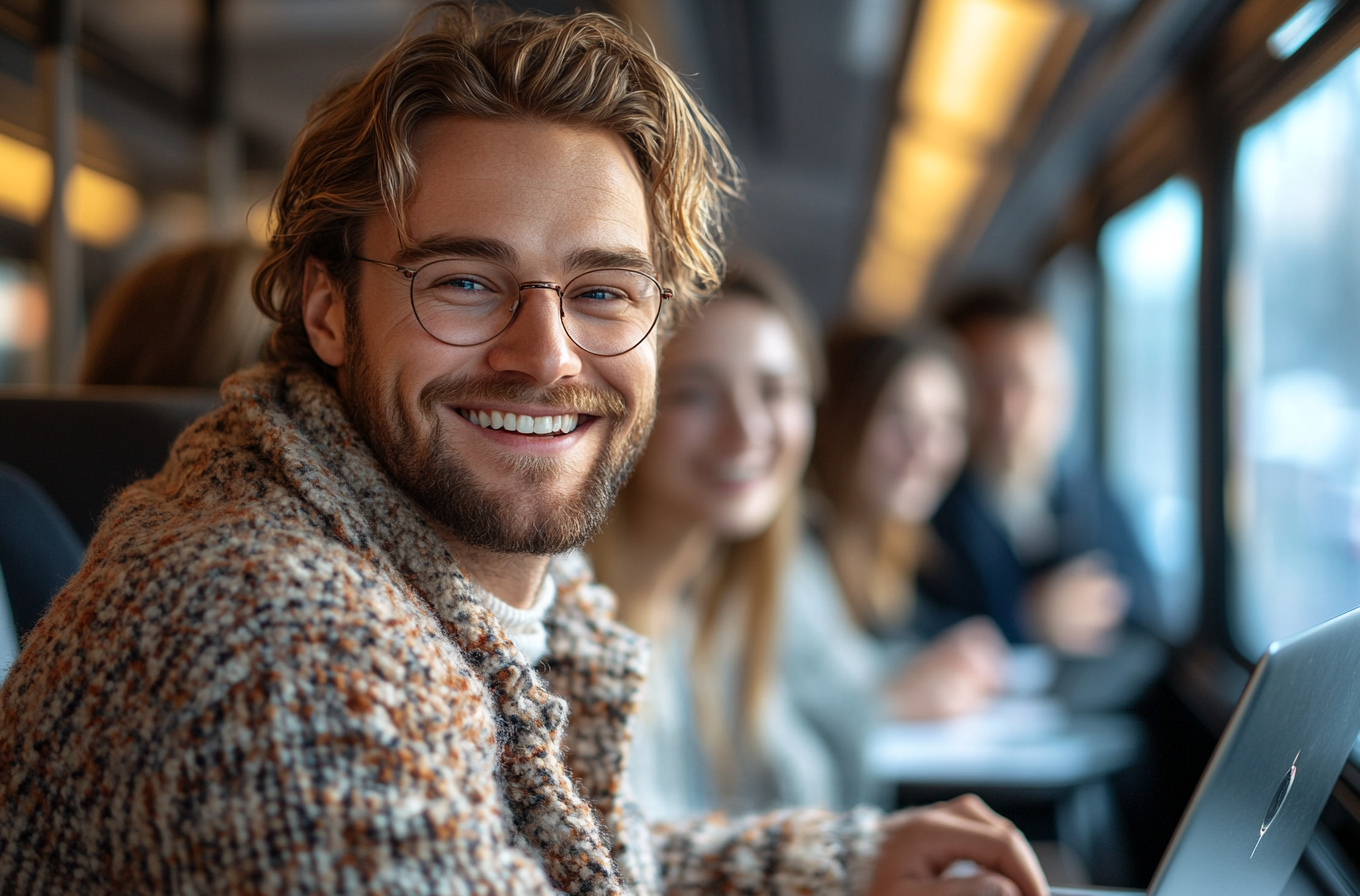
(974, 60)
(102, 210)
(25, 180)
(972, 63)
(889, 278)
(925, 190)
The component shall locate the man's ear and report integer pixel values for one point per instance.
(323, 313)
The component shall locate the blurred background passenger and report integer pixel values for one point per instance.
(1037, 543)
(891, 437)
(38, 552)
(183, 318)
(696, 550)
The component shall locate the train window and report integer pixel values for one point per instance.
(1294, 299)
(1149, 254)
(23, 322)
(1068, 285)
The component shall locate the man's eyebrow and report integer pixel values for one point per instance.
(505, 255)
(463, 247)
(594, 259)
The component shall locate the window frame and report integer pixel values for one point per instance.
(1194, 129)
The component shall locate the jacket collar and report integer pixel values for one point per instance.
(601, 666)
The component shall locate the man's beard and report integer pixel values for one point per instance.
(479, 513)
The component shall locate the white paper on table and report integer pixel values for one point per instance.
(1015, 741)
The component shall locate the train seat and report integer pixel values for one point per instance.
(39, 551)
(82, 445)
(63, 455)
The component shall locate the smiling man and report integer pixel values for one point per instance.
(504, 211)
(340, 644)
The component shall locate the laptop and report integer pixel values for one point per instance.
(1261, 795)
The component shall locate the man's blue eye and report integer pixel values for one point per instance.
(599, 294)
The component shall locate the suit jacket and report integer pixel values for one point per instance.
(974, 568)
(271, 677)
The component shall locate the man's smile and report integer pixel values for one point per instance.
(521, 423)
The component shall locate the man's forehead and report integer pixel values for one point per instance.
(581, 156)
(486, 184)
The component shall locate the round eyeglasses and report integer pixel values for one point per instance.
(468, 301)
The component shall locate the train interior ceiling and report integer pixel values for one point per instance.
(1178, 180)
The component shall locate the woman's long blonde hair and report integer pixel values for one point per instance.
(741, 581)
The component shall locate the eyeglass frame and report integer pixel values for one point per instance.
(410, 274)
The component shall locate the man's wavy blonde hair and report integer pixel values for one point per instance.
(354, 159)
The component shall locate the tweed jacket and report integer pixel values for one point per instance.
(270, 676)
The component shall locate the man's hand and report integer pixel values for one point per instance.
(962, 669)
(921, 844)
(1077, 607)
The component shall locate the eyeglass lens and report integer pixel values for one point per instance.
(468, 301)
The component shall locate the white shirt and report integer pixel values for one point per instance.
(668, 767)
(525, 627)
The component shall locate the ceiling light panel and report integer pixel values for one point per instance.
(972, 64)
(974, 59)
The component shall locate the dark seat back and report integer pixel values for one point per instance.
(39, 550)
(83, 445)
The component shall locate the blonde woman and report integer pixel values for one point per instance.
(697, 548)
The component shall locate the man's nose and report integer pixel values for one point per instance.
(536, 344)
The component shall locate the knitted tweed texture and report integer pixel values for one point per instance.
(270, 677)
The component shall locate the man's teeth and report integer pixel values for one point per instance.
(524, 423)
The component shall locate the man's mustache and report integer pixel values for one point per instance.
(572, 397)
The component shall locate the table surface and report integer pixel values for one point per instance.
(1017, 742)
